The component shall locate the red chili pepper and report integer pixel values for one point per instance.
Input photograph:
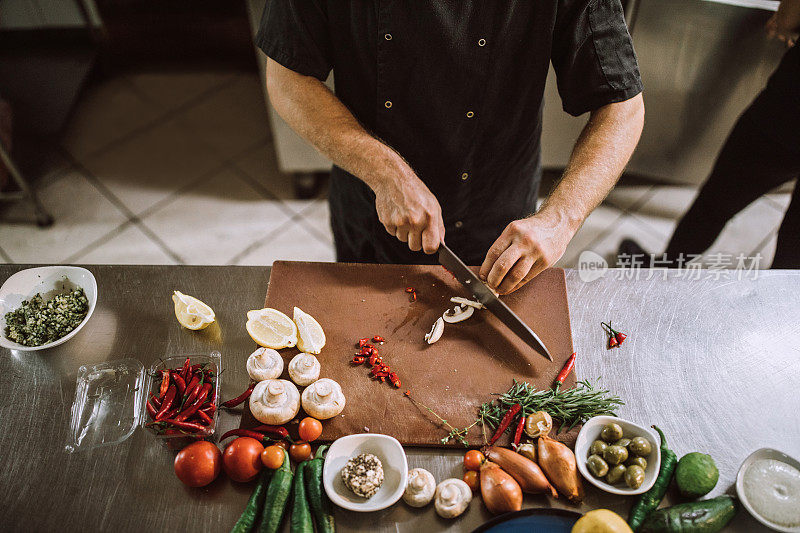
(208, 408)
(243, 433)
(394, 379)
(505, 422)
(190, 426)
(151, 410)
(378, 338)
(242, 397)
(518, 432)
(358, 359)
(192, 390)
(167, 403)
(620, 337)
(180, 383)
(612, 341)
(185, 369)
(207, 419)
(568, 366)
(192, 409)
(164, 383)
(276, 432)
(615, 338)
(363, 342)
(156, 401)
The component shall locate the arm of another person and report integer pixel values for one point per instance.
(405, 205)
(528, 246)
(785, 23)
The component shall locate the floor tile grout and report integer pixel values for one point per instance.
(258, 243)
(160, 119)
(75, 257)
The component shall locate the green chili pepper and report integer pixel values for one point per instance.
(280, 488)
(650, 500)
(321, 508)
(301, 513)
(247, 521)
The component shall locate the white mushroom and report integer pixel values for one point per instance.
(323, 399)
(452, 497)
(420, 488)
(463, 301)
(264, 363)
(436, 331)
(275, 401)
(458, 313)
(304, 369)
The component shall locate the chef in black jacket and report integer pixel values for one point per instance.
(435, 124)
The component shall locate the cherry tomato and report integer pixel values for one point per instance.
(242, 459)
(300, 451)
(198, 464)
(473, 460)
(472, 478)
(310, 429)
(272, 457)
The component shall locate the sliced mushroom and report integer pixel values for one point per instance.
(436, 331)
(275, 401)
(323, 399)
(538, 424)
(264, 363)
(420, 488)
(464, 301)
(452, 497)
(458, 313)
(304, 369)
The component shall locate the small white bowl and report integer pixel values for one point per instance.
(395, 471)
(763, 453)
(591, 432)
(49, 281)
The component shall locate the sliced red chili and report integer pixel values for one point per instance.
(363, 342)
(394, 379)
(378, 338)
(358, 359)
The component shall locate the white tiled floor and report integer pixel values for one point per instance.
(179, 167)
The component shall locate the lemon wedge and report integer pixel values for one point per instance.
(271, 329)
(191, 312)
(311, 337)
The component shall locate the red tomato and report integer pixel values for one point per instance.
(300, 452)
(473, 460)
(242, 459)
(310, 429)
(472, 478)
(198, 464)
(272, 457)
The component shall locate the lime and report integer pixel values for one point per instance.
(696, 474)
(601, 521)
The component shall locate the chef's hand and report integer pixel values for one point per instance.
(524, 249)
(785, 23)
(409, 211)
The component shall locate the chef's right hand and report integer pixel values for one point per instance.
(409, 211)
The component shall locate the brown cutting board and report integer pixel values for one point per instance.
(473, 360)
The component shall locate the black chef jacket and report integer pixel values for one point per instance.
(455, 86)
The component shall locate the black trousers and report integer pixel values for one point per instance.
(761, 153)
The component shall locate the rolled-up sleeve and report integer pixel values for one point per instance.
(295, 33)
(593, 55)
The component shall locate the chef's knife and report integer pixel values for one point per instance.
(484, 295)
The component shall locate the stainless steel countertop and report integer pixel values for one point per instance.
(713, 362)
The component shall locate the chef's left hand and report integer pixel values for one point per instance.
(524, 249)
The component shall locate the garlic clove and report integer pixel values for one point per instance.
(436, 331)
(458, 314)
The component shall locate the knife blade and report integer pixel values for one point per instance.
(486, 296)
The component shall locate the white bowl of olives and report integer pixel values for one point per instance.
(618, 456)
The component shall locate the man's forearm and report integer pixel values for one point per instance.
(314, 112)
(597, 161)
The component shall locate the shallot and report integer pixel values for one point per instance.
(530, 477)
(560, 467)
(500, 492)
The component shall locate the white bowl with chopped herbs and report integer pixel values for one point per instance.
(43, 307)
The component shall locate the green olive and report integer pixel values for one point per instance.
(640, 446)
(597, 466)
(615, 474)
(597, 448)
(615, 455)
(611, 432)
(623, 442)
(635, 460)
(634, 476)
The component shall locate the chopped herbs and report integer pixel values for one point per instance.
(37, 322)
